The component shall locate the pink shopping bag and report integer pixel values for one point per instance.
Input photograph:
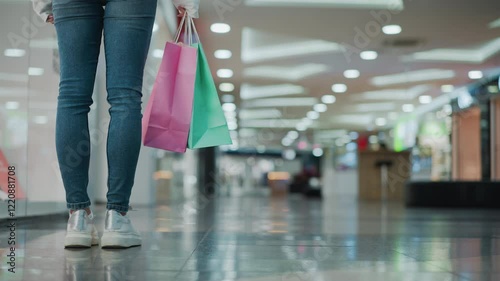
(167, 117)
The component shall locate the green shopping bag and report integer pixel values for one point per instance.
(208, 123)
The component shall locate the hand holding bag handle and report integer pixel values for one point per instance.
(191, 6)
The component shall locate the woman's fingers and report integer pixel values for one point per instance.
(182, 11)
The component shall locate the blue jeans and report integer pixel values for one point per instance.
(127, 26)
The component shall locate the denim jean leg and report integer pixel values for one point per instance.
(127, 34)
(79, 30)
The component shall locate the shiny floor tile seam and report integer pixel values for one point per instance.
(430, 263)
(194, 250)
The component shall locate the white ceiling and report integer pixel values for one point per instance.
(298, 48)
(272, 42)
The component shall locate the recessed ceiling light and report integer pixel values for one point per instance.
(230, 114)
(223, 54)
(380, 122)
(224, 73)
(220, 28)
(447, 88)
(368, 55)
(158, 53)
(226, 87)
(339, 88)
(12, 105)
(301, 127)
(286, 142)
(351, 73)
(293, 135)
(229, 106)
(328, 99)
(35, 71)
(313, 115)
(232, 126)
(14, 53)
(408, 108)
(425, 99)
(320, 107)
(227, 98)
(391, 29)
(475, 74)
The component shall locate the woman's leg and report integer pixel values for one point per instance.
(79, 30)
(127, 33)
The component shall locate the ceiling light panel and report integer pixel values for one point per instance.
(224, 73)
(226, 87)
(330, 134)
(393, 94)
(271, 123)
(220, 28)
(223, 54)
(494, 24)
(370, 107)
(413, 76)
(359, 119)
(392, 29)
(14, 53)
(339, 88)
(35, 71)
(361, 4)
(252, 92)
(259, 46)
(368, 55)
(477, 55)
(246, 114)
(351, 73)
(281, 102)
(293, 73)
(328, 99)
(425, 99)
(475, 74)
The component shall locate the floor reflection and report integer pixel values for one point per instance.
(258, 238)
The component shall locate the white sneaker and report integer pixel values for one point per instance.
(119, 232)
(81, 231)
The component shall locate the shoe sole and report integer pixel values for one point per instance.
(78, 241)
(119, 241)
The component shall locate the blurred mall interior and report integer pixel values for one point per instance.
(366, 146)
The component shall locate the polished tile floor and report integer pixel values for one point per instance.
(258, 238)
